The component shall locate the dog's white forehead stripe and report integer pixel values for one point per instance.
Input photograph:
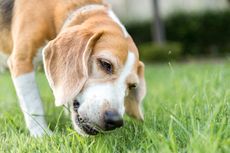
(128, 67)
(121, 82)
(115, 19)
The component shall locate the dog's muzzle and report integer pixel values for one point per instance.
(111, 121)
(83, 123)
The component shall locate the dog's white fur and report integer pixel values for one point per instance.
(115, 19)
(31, 104)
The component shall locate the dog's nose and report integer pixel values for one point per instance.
(112, 120)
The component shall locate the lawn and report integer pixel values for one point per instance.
(187, 109)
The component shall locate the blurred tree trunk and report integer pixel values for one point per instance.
(158, 32)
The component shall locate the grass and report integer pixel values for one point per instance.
(187, 109)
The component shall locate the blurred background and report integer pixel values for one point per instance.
(177, 30)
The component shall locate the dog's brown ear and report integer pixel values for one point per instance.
(66, 62)
(135, 97)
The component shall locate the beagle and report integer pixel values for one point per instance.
(90, 61)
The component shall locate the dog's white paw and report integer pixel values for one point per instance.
(39, 132)
(37, 126)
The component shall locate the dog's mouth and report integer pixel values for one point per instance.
(84, 124)
(88, 128)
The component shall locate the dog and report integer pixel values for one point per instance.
(90, 61)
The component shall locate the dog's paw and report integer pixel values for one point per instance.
(38, 132)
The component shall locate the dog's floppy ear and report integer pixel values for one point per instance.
(66, 62)
(136, 96)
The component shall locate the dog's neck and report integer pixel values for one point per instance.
(89, 12)
(78, 15)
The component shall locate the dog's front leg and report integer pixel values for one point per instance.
(20, 63)
(29, 99)
(31, 104)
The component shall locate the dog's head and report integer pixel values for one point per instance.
(98, 72)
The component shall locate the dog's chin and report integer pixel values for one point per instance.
(79, 130)
(83, 132)
(84, 127)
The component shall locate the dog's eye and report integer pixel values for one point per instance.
(106, 66)
(132, 86)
